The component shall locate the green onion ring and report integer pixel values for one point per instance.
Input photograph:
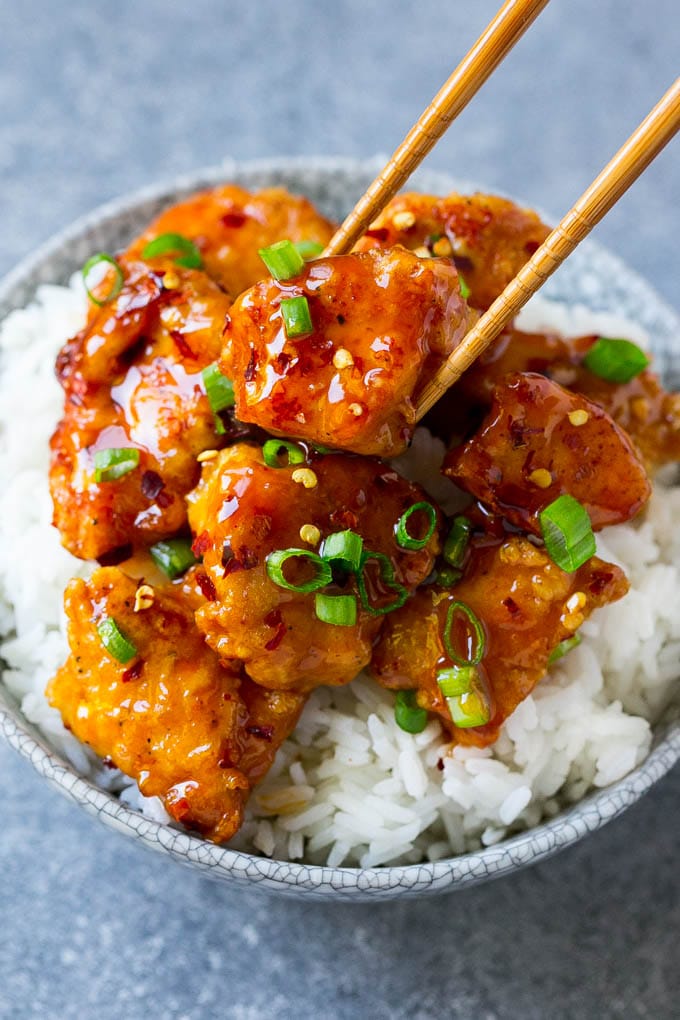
(117, 284)
(457, 541)
(338, 610)
(387, 577)
(567, 532)
(185, 251)
(219, 389)
(173, 556)
(564, 646)
(277, 559)
(297, 318)
(272, 449)
(615, 360)
(408, 714)
(283, 260)
(114, 641)
(344, 549)
(407, 541)
(111, 464)
(478, 630)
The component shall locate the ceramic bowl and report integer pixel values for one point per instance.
(592, 277)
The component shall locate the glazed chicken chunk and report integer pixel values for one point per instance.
(266, 614)
(526, 606)
(229, 225)
(133, 385)
(538, 442)
(380, 324)
(169, 715)
(641, 406)
(489, 238)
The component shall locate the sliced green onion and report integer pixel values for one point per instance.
(448, 576)
(274, 448)
(457, 541)
(471, 709)
(479, 643)
(465, 696)
(343, 549)
(185, 251)
(456, 680)
(283, 260)
(114, 463)
(387, 578)
(173, 556)
(408, 714)
(407, 541)
(616, 360)
(464, 289)
(118, 281)
(567, 533)
(275, 563)
(219, 389)
(114, 641)
(564, 646)
(297, 318)
(308, 249)
(339, 610)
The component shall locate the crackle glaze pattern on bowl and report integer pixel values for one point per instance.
(592, 277)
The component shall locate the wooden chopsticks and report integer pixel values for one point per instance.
(493, 45)
(646, 142)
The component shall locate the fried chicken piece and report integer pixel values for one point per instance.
(540, 441)
(382, 323)
(133, 380)
(642, 407)
(526, 605)
(171, 717)
(243, 511)
(229, 224)
(489, 238)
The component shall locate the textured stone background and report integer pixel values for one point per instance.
(98, 98)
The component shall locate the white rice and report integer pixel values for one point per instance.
(349, 787)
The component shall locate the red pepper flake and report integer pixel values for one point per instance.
(235, 218)
(512, 607)
(344, 519)
(179, 809)
(531, 246)
(440, 764)
(263, 732)
(248, 558)
(282, 361)
(378, 233)
(108, 763)
(152, 484)
(201, 544)
(249, 373)
(599, 581)
(463, 264)
(232, 566)
(274, 619)
(182, 345)
(115, 556)
(206, 585)
(133, 673)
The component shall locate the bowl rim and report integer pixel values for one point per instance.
(320, 881)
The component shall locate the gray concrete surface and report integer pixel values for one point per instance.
(98, 98)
